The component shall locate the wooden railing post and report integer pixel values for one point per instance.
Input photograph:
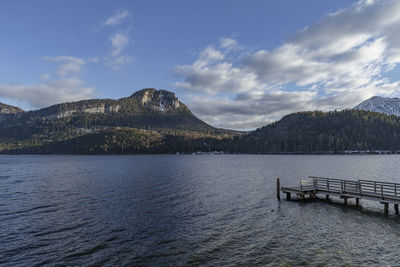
(327, 184)
(382, 191)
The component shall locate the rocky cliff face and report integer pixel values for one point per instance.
(7, 109)
(161, 100)
(96, 108)
(143, 101)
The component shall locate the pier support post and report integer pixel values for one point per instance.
(288, 196)
(278, 189)
(396, 209)
(357, 202)
(386, 208)
(327, 197)
(345, 200)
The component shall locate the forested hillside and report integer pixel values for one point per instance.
(324, 132)
(155, 121)
(149, 121)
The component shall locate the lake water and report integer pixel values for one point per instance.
(188, 210)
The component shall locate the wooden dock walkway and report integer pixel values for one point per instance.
(384, 192)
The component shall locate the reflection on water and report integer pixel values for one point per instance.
(170, 210)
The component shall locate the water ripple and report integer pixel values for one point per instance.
(187, 211)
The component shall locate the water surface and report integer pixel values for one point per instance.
(188, 210)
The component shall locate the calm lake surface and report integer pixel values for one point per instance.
(188, 210)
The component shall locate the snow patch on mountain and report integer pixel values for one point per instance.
(387, 105)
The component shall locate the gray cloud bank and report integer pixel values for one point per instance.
(332, 64)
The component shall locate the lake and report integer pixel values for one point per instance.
(189, 210)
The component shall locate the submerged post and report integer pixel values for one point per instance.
(396, 209)
(278, 189)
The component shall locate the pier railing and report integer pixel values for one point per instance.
(307, 184)
(376, 189)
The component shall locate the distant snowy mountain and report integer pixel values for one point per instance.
(387, 105)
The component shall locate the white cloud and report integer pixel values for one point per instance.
(93, 59)
(117, 60)
(45, 77)
(47, 93)
(332, 64)
(118, 42)
(117, 18)
(229, 43)
(68, 65)
(66, 87)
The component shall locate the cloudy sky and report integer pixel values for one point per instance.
(236, 64)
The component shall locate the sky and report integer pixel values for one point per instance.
(235, 64)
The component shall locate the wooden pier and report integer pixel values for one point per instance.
(384, 192)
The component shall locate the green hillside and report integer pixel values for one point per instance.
(149, 121)
(155, 121)
(324, 132)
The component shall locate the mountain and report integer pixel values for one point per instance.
(324, 132)
(390, 106)
(148, 108)
(7, 109)
(148, 121)
(155, 121)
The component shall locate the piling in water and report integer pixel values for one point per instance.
(278, 189)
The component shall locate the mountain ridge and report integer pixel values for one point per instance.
(8, 109)
(148, 108)
(324, 132)
(148, 121)
(155, 121)
(386, 105)
(143, 98)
